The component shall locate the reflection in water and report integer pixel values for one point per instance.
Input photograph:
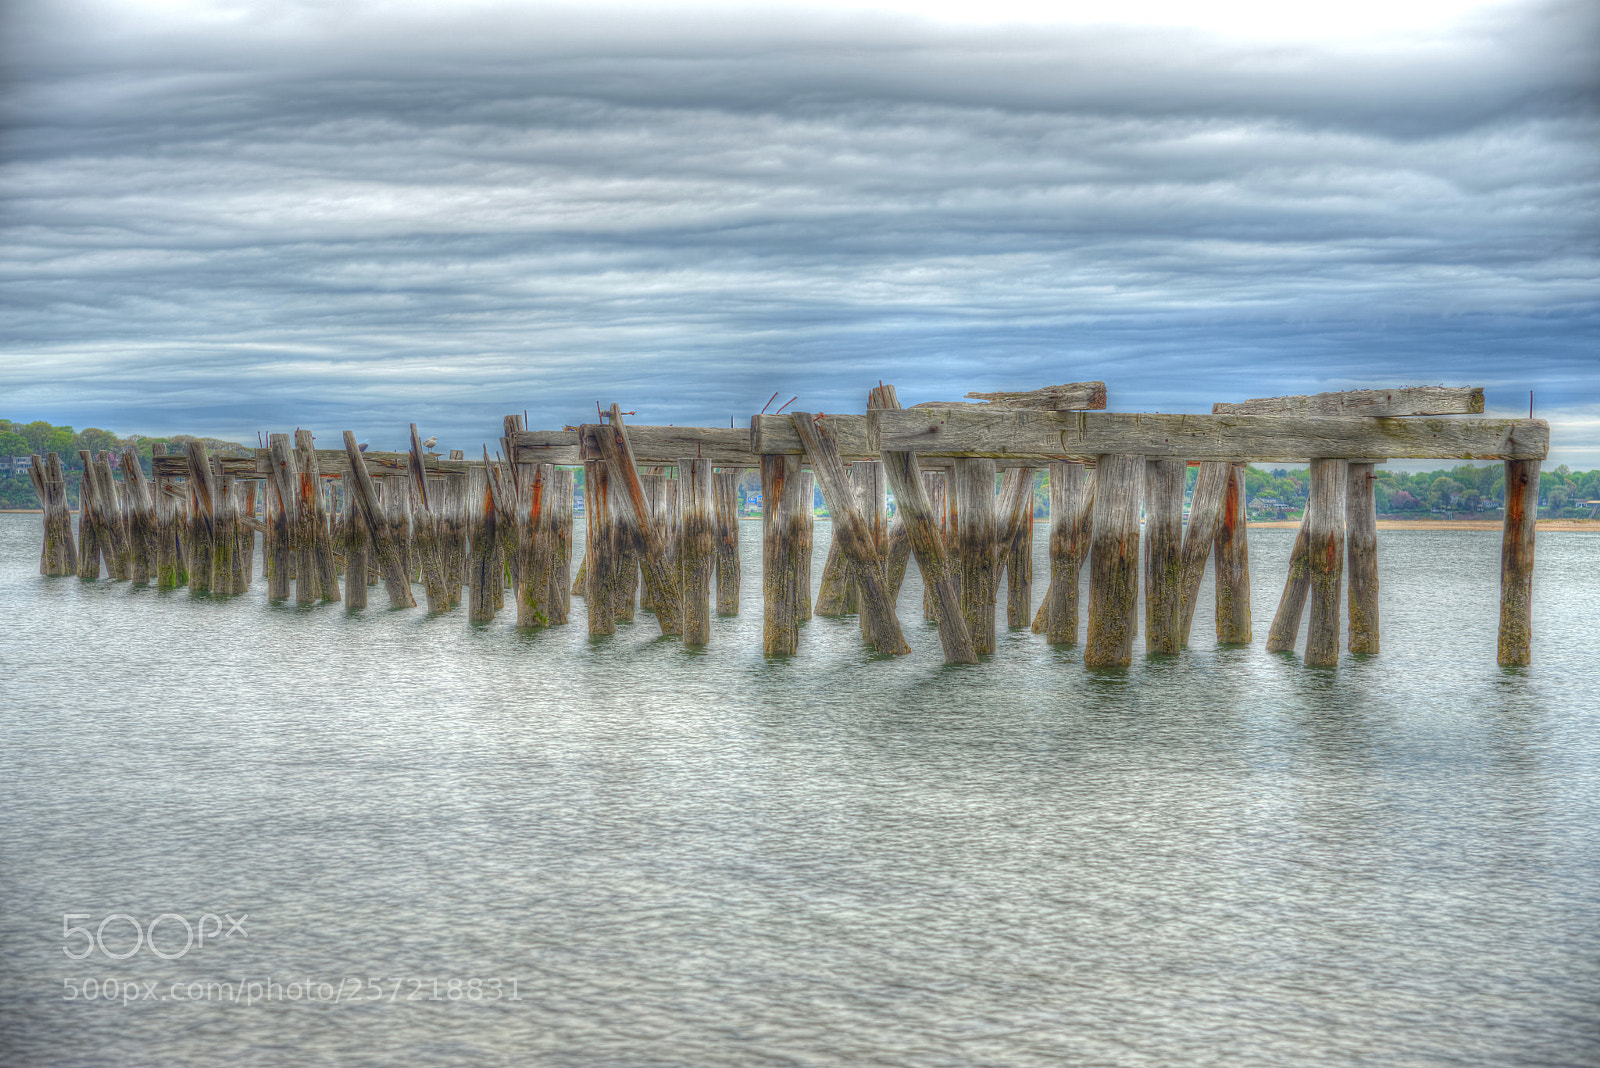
(711, 858)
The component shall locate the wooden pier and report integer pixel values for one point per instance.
(661, 530)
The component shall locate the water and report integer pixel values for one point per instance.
(705, 858)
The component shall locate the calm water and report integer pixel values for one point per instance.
(648, 856)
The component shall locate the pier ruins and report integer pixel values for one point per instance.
(661, 533)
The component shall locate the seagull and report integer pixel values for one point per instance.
(431, 442)
(362, 447)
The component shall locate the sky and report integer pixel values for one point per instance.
(225, 218)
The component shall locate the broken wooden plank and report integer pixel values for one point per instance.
(1404, 402)
(1073, 396)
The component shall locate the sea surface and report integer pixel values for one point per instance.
(407, 840)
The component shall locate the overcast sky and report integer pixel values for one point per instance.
(231, 217)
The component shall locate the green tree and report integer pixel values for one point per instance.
(97, 441)
(13, 444)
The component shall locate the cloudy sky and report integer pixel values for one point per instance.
(226, 217)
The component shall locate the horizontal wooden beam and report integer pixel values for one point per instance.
(1382, 403)
(776, 435)
(331, 463)
(666, 445)
(1284, 439)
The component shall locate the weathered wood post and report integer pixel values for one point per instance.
(927, 542)
(937, 486)
(1015, 548)
(315, 541)
(356, 547)
(1516, 562)
(727, 489)
(246, 555)
(1205, 516)
(1361, 540)
(863, 540)
(869, 490)
(112, 518)
(483, 566)
(1114, 560)
(808, 541)
(89, 551)
(60, 556)
(225, 532)
(653, 484)
(1071, 519)
(1291, 605)
(559, 604)
(782, 534)
(456, 529)
(635, 520)
(883, 397)
(168, 549)
(1233, 564)
(973, 493)
(1326, 507)
(394, 566)
(202, 519)
(1163, 554)
(600, 553)
(696, 547)
(283, 482)
(836, 596)
(426, 533)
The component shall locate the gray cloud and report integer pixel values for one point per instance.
(366, 220)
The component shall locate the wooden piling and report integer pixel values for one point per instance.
(426, 535)
(1071, 519)
(225, 533)
(782, 534)
(937, 487)
(1015, 545)
(808, 541)
(863, 539)
(1163, 554)
(168, 548)
(1233, 564)
(112, 517)
(870, 491)
(727, 492)
(974, 540)
(600, 550)
(394, 567)
(928, 547)
(202, 518)
(882, 397)
(246, 555)
(633, 519)
(1291, 604)
(559, 604)
(1326, 508)
(356, 543)
(836, 596)
(1361, 541)
(283, 480)
(89, 551)
(1516, 562)
(483, 569)
(1205, 515)
(697, 547)
(653, 484)
(1114, 561)
(58, 556)
(311, 513)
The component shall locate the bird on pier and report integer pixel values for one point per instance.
(431, 442)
